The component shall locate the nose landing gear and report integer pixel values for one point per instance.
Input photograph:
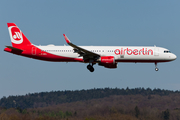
(156, 69)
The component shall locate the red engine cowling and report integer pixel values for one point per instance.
(108, 62)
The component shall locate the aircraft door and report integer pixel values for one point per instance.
(156, 51)
(33, 50)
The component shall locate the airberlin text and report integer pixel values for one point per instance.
(128, 51)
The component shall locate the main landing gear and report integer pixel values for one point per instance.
(90, 67)
(156, 69)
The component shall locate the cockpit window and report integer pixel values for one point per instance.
(166, 51)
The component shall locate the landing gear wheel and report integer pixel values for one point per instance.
(156, 69)
(90, 68)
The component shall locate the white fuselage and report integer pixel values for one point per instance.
(120, 53)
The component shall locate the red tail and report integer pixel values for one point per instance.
(18, 39)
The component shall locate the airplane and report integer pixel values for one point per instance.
(107, 56)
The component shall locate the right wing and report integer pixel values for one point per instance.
(87, 55)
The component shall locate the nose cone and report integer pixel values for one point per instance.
(173, 56)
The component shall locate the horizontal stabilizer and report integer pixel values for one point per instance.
(13, 48)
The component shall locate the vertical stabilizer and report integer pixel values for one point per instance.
(18, 39)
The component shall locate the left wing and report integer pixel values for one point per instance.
(87, 55)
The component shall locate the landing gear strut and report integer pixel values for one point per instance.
(156, 69)
(90, 67)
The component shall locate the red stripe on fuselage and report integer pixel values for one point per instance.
(143, 61)
(36, 53)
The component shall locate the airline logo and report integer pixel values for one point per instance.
(16, 35)
(143, 51)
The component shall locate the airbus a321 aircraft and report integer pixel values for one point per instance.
(107, 56)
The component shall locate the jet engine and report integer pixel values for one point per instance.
(107, 61)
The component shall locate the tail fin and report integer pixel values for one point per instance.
(18, 39)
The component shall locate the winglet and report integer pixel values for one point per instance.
(66, 38)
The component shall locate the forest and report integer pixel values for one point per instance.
(93, 104)
(44, 99)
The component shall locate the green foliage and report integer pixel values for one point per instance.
(75, 113)
(68, 114)
(137, 111)
(166, 114)
(24, 111)
(60, 114)
(19, 109)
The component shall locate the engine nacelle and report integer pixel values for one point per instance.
(108, 62)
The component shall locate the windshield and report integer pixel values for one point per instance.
(167, 51)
